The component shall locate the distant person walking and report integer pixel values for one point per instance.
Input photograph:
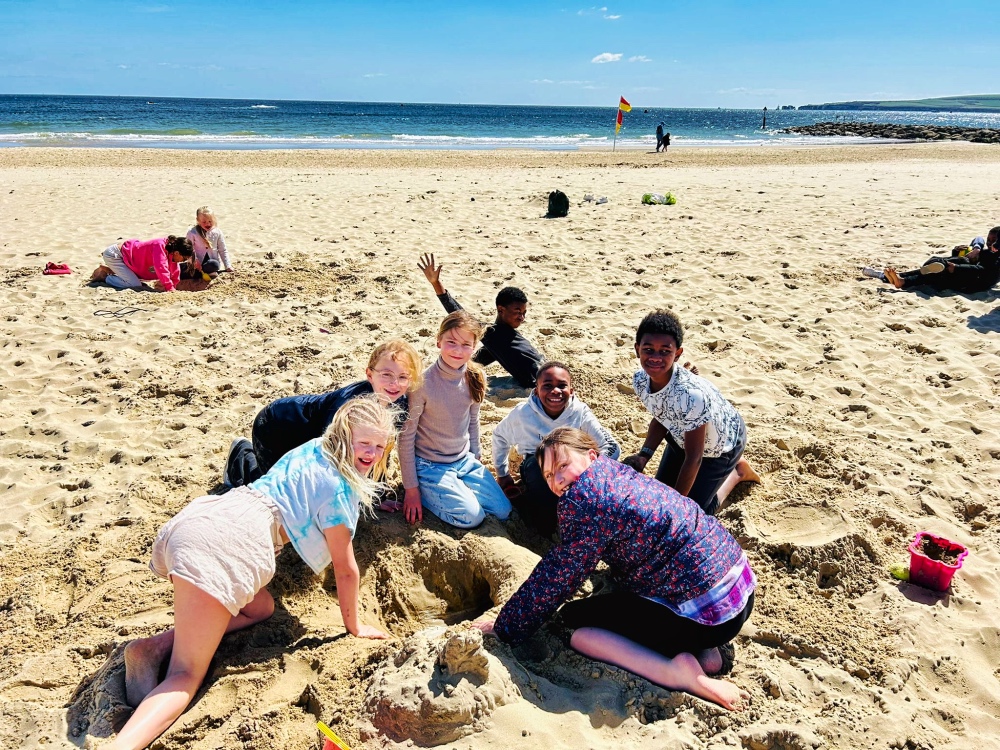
(659, 137)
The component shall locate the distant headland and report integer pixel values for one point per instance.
(971, 103)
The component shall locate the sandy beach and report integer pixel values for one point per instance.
(872, 416)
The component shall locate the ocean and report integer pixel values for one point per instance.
(135, 122)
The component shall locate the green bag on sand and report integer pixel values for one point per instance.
(657, 199)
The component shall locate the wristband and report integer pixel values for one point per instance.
(646, 452)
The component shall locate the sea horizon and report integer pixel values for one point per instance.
(75, 120)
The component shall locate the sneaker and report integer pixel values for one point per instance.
(602, 200)
(931, 268)
(873, 273)
(227, 475)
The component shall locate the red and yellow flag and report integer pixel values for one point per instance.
(624, 106)
(618, 122)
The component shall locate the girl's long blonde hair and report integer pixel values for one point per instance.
(475, 375)
(365, 411)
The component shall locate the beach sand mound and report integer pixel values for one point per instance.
(439, 687)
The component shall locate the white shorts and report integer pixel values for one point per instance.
(223, 544)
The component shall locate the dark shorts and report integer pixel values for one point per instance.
(711, 474)
(650, 623)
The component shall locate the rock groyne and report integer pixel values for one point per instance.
(902, 132)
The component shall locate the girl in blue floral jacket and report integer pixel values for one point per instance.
(685, 585)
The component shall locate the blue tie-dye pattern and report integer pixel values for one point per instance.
(311, 496)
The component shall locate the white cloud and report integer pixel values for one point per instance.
(374, 75)
(602, 11)
(124, 67)
(607, 57)
(549, 82)
(639, 58)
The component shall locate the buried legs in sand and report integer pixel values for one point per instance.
(683, 672)
(200, 621)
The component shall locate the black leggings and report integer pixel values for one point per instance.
(650, 623)
(537, 504)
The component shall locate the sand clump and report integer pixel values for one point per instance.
(871, 413)
(433, 693)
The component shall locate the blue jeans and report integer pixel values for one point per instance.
(460, 493)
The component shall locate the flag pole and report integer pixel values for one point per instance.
(623, 106)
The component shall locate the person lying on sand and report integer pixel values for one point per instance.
(501, 343)
(283, 425)
(705, 434)
(219, 553)
(686, 586)
(970, 268)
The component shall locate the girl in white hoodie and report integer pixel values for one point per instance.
(551, 405)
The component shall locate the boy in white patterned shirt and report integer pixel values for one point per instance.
(705, 434)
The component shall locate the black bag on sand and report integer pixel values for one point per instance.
(558, 204)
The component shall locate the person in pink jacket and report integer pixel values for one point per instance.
(134, 261)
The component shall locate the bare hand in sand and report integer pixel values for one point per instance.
(413, 509)
(486, 626)
(432, 271)
(390, 505)
(367, 631)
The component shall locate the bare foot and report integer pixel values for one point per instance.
(710, 660)
(893, 277)
(143, 658)
(745, 472)
(692, 367)
(695, 681)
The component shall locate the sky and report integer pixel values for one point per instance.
(667, 54)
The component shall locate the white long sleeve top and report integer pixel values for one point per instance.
(527, 423)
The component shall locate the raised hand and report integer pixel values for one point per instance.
(432, 271)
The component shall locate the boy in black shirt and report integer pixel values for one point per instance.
(501, 342)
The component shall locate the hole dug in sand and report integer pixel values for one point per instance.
(436, 579)
(441, 686)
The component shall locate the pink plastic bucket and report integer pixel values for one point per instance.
(933, 574)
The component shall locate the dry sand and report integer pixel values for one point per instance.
(872, 416)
